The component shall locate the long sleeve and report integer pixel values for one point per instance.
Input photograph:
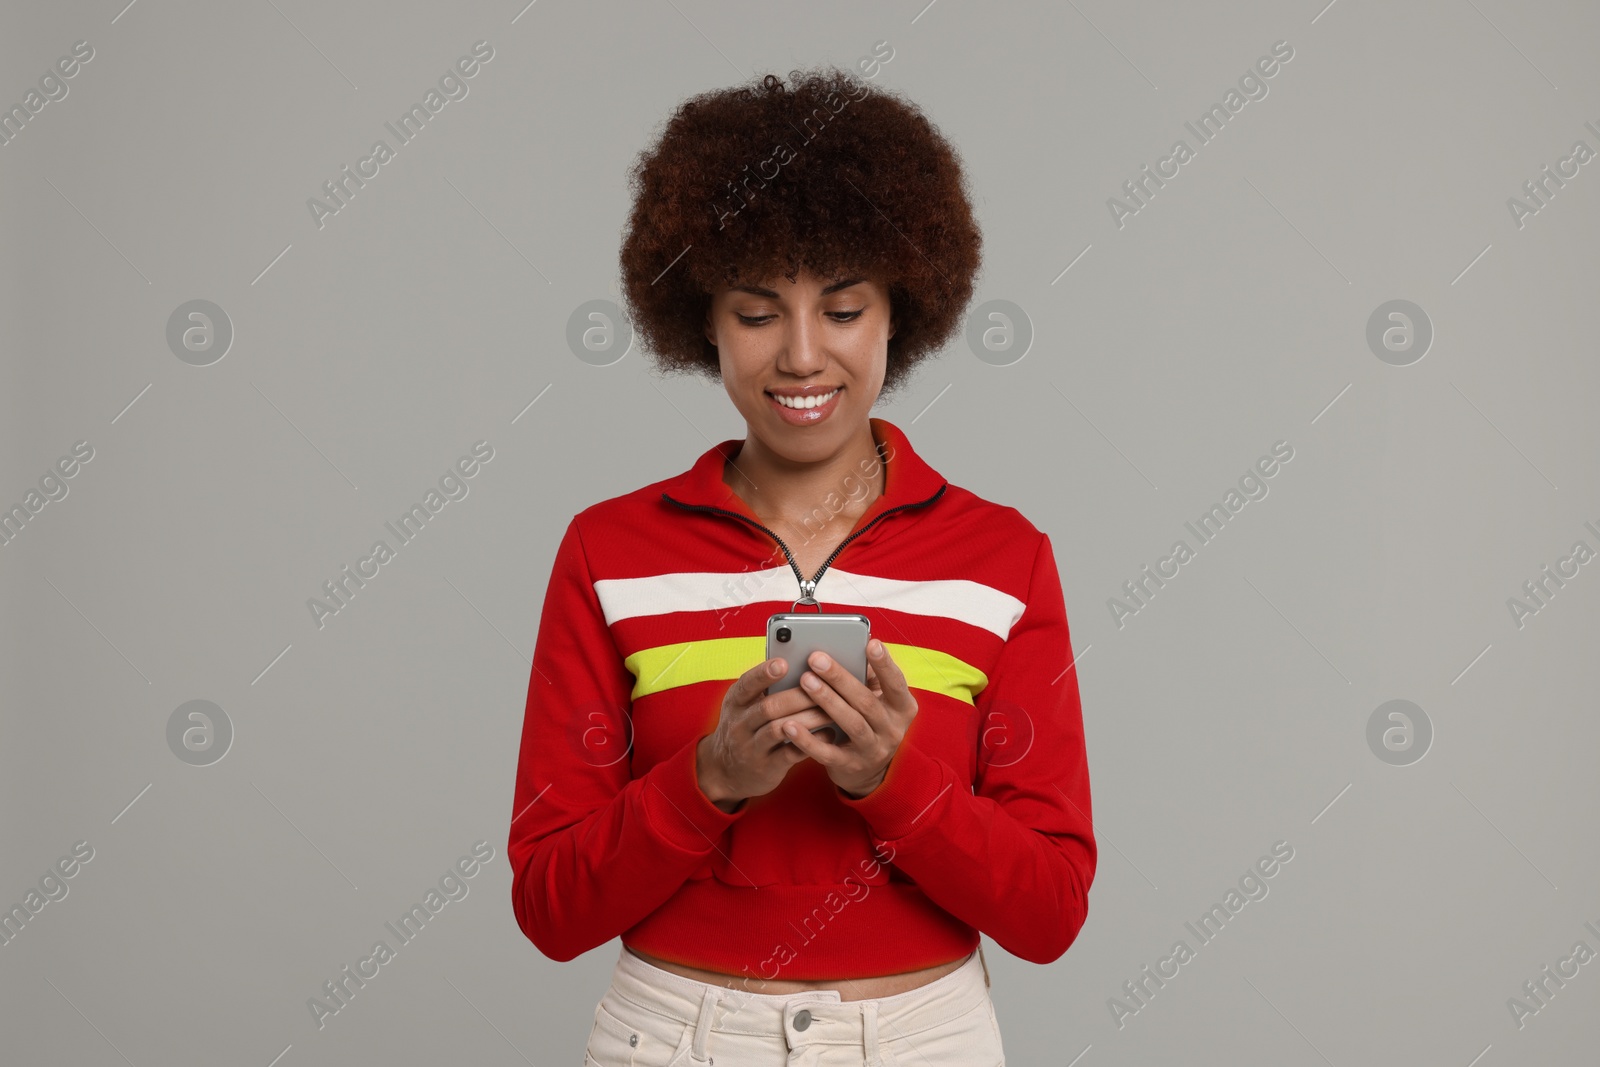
(1014, 853)
(592, 849)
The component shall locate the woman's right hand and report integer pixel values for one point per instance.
(747, 755)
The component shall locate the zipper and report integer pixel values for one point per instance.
(808, 587)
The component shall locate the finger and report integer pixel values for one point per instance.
(896, 693)
(790, 753)
(811, 744)
(872, 680)
(769, 709)
(847, 685)
(780, 744)
(858, 722)
(776, 705)
(747, 689)
(809, 719)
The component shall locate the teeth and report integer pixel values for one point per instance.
(803, 402)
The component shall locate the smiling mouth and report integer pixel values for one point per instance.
(805, 403)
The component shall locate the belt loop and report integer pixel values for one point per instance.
(985, 965)
(702, 1026)
(869, 1032)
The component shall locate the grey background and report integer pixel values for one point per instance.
(1228, 314)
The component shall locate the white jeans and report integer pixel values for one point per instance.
(654, 1018)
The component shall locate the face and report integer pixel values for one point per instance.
(813, 336)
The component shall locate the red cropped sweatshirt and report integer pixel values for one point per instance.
(659, 598)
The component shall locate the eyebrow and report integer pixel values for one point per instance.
(759, 291)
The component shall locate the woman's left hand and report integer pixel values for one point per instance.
(874, 716)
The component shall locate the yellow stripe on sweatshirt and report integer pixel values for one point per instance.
(687, 662)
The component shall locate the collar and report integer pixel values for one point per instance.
(907, 477)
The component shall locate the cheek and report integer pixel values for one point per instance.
(733, 358)
(741, 369)
(865, 352)
(871, 362)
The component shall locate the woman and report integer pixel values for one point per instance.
(782, 898)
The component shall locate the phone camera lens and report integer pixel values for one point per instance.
(783, 633)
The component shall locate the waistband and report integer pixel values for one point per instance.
(733, 1010)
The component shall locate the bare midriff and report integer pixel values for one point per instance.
(871, 987)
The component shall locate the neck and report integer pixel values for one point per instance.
(833, 489)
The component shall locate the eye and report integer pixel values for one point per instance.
(837, 316)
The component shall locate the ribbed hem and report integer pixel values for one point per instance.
(678, 811)
(909, 798)
(853, 930)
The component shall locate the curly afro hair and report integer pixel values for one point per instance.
(830, 174)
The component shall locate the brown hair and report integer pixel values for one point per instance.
(830, 173)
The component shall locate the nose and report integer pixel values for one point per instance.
(802, 354)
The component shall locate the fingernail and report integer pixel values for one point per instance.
(821, 661)
(876, 648)
(810, 681)
(775, 668)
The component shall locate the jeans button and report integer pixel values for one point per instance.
(802, 1019)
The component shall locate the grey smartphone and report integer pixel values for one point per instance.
(843, 636)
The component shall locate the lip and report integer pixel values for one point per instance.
(810, 416)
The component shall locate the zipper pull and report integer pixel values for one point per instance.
(808, 591)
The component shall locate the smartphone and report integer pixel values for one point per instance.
(841, 635)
